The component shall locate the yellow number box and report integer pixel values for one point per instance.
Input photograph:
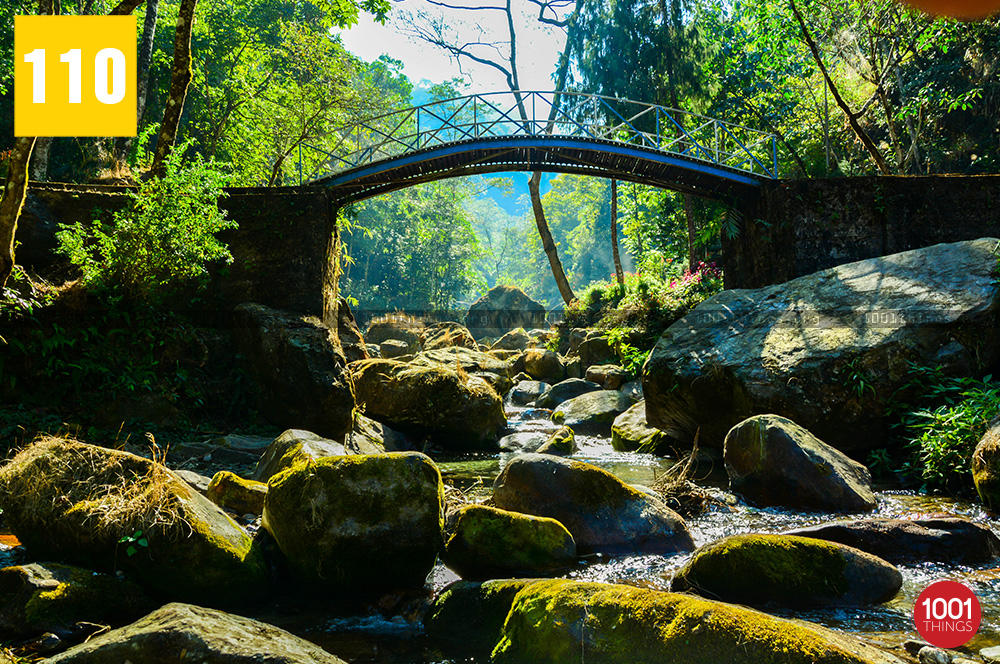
(74, 75)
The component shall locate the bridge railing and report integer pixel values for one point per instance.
(511, 114)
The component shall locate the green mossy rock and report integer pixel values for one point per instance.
(364, 524)
(631, 433)
(231, 492)
(292, 447)
(788, 571)
(559, 621)
(560, 443)
(592, 413)
(986, 467)
(50, 597)
(772, 461)
(492, 543)
(603, 514)
(458, 411)
(468, 616)
(184, 633)
(71, 502)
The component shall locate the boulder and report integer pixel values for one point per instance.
(470, 361)
(299, 368)
(560, 443)
(393, 348)
(608, 376)
(564, 391)
(106, 509)
(373, 350)
(291, 447)
(456, 410)
(396, 326)
(359, 525)
(630, 433)
(523, 442)
(544, 365)
(555, 621)
(771, 461)
(986, 466)
(515, 340)
(231, 492)
(196, 481)
(446, 335)
(936, 539)
(50, 597)
(828, 350)
(596, 349)
(603, 514)
(181, 632)
(504, 308)
(468, 616)
(489, 543)
(527, 391)
(372, 437)
(790, 571)
(633, 390)
(592, 413)
(231, 449)
(349, 334)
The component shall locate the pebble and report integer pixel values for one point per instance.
(932, 655)
(913, 646)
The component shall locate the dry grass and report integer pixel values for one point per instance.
(678, 490)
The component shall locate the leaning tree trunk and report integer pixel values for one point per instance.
(38, 170)
(547, 243)
(124, 144)
(614, 233)
(180, 78)
(12, 202)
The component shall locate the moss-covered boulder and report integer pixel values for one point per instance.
(291, 447)
(362, 524)
(772, 461)
(545, 365)
(489, 543)
(592, 413)
(471, 361)
(446, 335)
(185, 633)
(50, 597)
(458, 411)
(603, 514)
(631, 433)
(560, 443)
(231, 492)
(986, 467)
(299, 367)
(559, 621)
(937, 539)
(468, 616)
(564, 391)
(789, 571)
(85, 505)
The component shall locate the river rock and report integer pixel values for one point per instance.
(596, 349)
(554, 621)
(456, 410)
(487, 542)
(182, 632)
(986, 466)
(527, 391)
(515, 340)
(935, 539)
(396, 326)
(291, 447)
(351, 340)
(393, 348)
(504, 308)
(771, 461)
(829, 350)
(544, 365)
(592, 413)
(523, 442)
(603, 514)
(791, 571)
(50, 597)
(358, 524)
(446, 335)
(372, 437)
(471, 361)
(564, 391)
(299, 368)
(196, 481)
(231, 492)
(468, 616)
(560, 443)
(85, 505)
(608, 376)
(630, 433)
(633, 390)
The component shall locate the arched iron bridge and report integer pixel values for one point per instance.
(520, 131)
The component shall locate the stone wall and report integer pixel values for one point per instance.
(282, 250)
(801, 226)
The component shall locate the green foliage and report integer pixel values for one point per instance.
(163, 241)
(135, 542)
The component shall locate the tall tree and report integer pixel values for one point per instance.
(619, 274)
(180, 78)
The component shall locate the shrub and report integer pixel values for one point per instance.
(162, 241)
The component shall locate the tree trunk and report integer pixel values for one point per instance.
(859, 131)
(180, 78)
(692, 232)
(124, 144)
(12, 201)
(547, 244)
(614, 233)
(39, 168)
